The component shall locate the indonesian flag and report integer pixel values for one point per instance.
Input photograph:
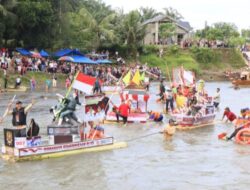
(84, 83)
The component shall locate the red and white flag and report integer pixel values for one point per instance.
(84, 83)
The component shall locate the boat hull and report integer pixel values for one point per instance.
(59, 150)
(190, 122)
(20, 89)
(241, 82)
(132, 117)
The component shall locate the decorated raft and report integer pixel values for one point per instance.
(138, 98)
(38, 148)
(64, 138)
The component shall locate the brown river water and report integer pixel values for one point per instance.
(192, 160)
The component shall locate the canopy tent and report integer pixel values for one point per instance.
(77, 59)
(64, 52)
(23, 51)
(43, 53)
(35, 54)
(103, 61)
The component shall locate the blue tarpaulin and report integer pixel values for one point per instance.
(103, 61)
(43, 53)
(23, 51)
(77, 59)
(64, 52)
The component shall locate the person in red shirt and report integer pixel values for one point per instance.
(123, 112)
(230, 115)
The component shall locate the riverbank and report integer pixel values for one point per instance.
(40, 78)
(208, 64)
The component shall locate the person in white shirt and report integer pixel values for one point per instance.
(217, 98)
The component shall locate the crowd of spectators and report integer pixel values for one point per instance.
(13, 61)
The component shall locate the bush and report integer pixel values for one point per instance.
(149, 49)
(206, 55)
(174, 49)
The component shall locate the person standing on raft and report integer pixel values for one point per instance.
(217, 98)
(229, 115)
(19, 116)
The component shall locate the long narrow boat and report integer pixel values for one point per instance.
(20, 89)
(192, 122)
(28, 153)
(244, 79)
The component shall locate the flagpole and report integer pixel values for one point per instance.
(168, 73)
(69, 90)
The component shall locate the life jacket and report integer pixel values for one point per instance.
(18, 114)
(95, 134)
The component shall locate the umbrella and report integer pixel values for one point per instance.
(35, 54)
(43, 53)
(66, 58)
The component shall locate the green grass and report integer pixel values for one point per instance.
(199, 60)
(40, 78)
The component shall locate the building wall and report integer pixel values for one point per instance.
(152, 28)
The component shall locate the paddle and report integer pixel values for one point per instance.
(7, 109)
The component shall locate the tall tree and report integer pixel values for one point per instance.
(148, 13)
(133, 30)
(173, 13)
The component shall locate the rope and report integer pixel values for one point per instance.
(144, 136)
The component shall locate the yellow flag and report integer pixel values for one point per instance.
(143, 76)
(136, 79)
(127, 77)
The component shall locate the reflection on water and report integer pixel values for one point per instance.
(193, 159)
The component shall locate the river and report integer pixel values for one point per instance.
(194, 159)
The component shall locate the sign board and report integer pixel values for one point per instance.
(64, 147)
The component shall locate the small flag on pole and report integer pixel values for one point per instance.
(84, 83)
(127, 78)
(137, 78)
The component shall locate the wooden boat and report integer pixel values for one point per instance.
(243, 136)
(20, 89)
(244, 79)
(23, 149)
(192, 122)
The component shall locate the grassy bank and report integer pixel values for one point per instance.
(206, 63)
(40, 78)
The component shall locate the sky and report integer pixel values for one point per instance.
(197, 12)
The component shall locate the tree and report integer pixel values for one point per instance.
(173, 13)
(167, 30)
(148, 13)
(245, 33)
(99, 29)
(8, 21)
(35, 20)
(133, 31)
